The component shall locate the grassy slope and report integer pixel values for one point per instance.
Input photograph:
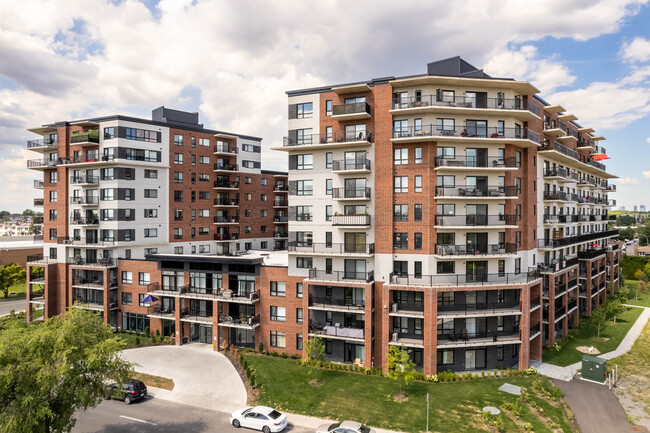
(644, 298)
(454, 406)
(18, 292)
(611, 337)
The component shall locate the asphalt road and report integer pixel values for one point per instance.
(7, 306)
(155, 415)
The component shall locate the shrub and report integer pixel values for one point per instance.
(157, 332)
(251, 379)
(260, 347)
(284, 355)
(147, 331)
(274, 354)
(137, 341)
(294, 356)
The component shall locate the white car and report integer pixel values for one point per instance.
(344, 427)
(262, 418)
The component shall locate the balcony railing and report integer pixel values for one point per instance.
(280, 188)
(572, 154)
(351, 192)
(477, 162)
(351, 220)
(352, 108)
(355, 331)
(226, 236)
(557, 265)
(487, 307)
(226, 167)
(45, 142)
(85, 200)
(312, 139)
(38, 184)
(42, 162)
(91, 180)
(561, 218)
(452, 280)
(226, 202)
(476, 220)
(332, 248)
(319, 274)
(84, 221)
(475, 191)
(591, 254)
(280, 203)
(562, 242)
(92, 136)
(350, 304)
(240, 321)
(39, 202)
(475, 250)
(464, 132)
(220, 183)
(282, 219)
(99, 262)
(464, 102)
(226, 220)
(225, 149)
(464, 336)
(78, 240)
(346, 165)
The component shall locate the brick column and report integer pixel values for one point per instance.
(430, 332)
(367, 331)
(524, 328)
(177, 318)
(384, 301)
(551, 310)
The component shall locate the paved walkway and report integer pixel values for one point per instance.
(567, 373)
(17, 305)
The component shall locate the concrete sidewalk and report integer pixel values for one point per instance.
(567, 373)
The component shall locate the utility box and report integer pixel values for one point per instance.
(594, 368)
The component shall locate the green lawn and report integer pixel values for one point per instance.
(132, 339)
(284, 384)
(17, 291)
(644, 298)
(610, 337)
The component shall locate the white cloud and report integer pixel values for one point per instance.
(636, 51)
(647, 140)
(646, 174)
(626, 181)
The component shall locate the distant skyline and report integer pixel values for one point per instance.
(233, 61)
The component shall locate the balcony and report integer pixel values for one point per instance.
(280, 188)
(560, 219)
(476, 162)
(351, 166)
(226, 237)
(344, 276)
(356, 110)
(85, 201)
(38, 259)
(449, 310)
(84, 221)
(226, 220)
(355, 332)
(475, 250)
(89, 303)
(226, 167)
(96, 263)
(224, 184)
(225, 150)
(280, 235)
(281, 219)
(42, 145)
(226, 202)
(524, 137)
(333, 304)
(407, 309)
(591, 254)
(473, 191)
(318, 141)
(39, 202)
(560, 174)
(569, 156)
(84, 180)
(196, 316)
(563, 242)
(42, 164)
(557, 265)
(37, 278)
(92, 283)
(280, 203)
(246, 322)
(38, 184)
(454, 280)
(464, 221)
(480, 338)
(518, 108)
(351, 193)
(332, 248)
(351, 220)
(87, 138)
(161, 313)
(560, 196)
(219, 295)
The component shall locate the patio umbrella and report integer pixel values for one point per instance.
(599, 157)
(148, 299)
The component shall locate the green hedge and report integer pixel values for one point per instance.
(630, 264)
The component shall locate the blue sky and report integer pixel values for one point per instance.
(233, 61)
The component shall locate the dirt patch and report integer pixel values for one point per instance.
(316, 382)
(155, 381)
(589, 350)
(633, 394)
(401, 397)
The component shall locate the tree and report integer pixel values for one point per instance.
(315, 351)
(626, 233)
(616, 307)
(28, 212)
(644, 276)
(625, 220)
(34, 229)
(599, 319)
(5, 216)
(623, 294)
(10, 275)
(643, 287)
(400, 366)
(50, 370)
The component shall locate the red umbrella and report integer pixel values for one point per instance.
(599, 157)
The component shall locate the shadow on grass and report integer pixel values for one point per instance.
(171, 427)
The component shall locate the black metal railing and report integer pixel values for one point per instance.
(591, 253)
(241, 321)
(93, 180)
(487, 307)
(226, 167)
(351, 220)
(475, 220)
(280, 203)
(462, 101)
(350, 304)
(224, 220)
(557, 265)
(332, 248)
(319, 274)
(464, 336)
(280, 188)
(226, 202)
(311, 139)
(222, 183)
(475, 191)
(351, 108)
(465, 132)
(346, 165)
(407, 306)
(452, 280)
(280, 219)
(477, 249)
(45, 142)
(92, 200)
(557, 243)
(225, 149)
(351, 192)
(39, 202)
(477, 161)
(226, 236)
(104, 262)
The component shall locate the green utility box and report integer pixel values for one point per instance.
(594, 368)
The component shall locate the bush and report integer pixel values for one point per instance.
(251, 380)
(260, 347)
(147, 331)
(157, 332)
(284, 355)
(274, 354)
(294, 356)
(137, 341)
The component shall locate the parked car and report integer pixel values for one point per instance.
(131, 390)
(259, 418)
(344, 427)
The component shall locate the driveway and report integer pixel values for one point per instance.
(202, 377)
(596, 408)
(14, 304)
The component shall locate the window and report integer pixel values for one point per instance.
(278, 339)
(53, 214)
(53, 196)
(305, 110)
(150, 193)
(417, 212)
(298, 341)
(178, 250)
(141, 297)
(178, 177)
(298, 290)
(53, 253)
(446, 357)
(204, 160)
(328, 212)
(328, 107)
(446, 209)
(193, 159)
(178, 158)
(445, 267)
(400, 241)
(151, 213)
(417, 270)
(264, 181)
(443, 124)
(328, 187)
(150, 233)
(305, 162)
(178, 140)
(518, 239)
(418, 183)
(204, 195)
(144, 278)
(151, 174)
(304, 239)
(150, 251)
(278, 288)
(54, 177)
(178, 196)
(278, 314)
(264, 197)
(248, 229)
(400, 212)
(329, 161)
(127, 298)
(499, 353)
(204, 230)
(304, 136)
(304, 187)
(417, 241)
(52, 234)
(109, 133)
(298, 315)
(401, 156)
(400, 184)
(518, 265)
(204, 142)
(204, 177)
(517, 158)
(304, 262)
(127, 277)
(446, 152)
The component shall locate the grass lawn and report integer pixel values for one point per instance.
(17, 291)
(131, 340)
(644, 298)
(610, 337)
(454, 406)
(155, 381)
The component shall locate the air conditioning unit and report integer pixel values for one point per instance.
(394, 339)
(393, 307)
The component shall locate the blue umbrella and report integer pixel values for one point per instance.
(148, 299)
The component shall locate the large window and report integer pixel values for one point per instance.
(134, 322)
(304, 213)
(278, 339)
(127, 277)
(400, 212)
(401, 184)
(446, 357)
(304, 187)
(278, 314)
(401, 157)
(142, 135)
(304, 262)
(127, 298)
(144, 278)
(445, 124)
(400, 241)
(278, 288)
(305, 110)
(305, 162)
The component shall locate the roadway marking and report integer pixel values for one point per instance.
(138, 420)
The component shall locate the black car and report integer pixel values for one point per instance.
(131, 390)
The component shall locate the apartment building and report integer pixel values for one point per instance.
(455, 214)
(120, 190)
